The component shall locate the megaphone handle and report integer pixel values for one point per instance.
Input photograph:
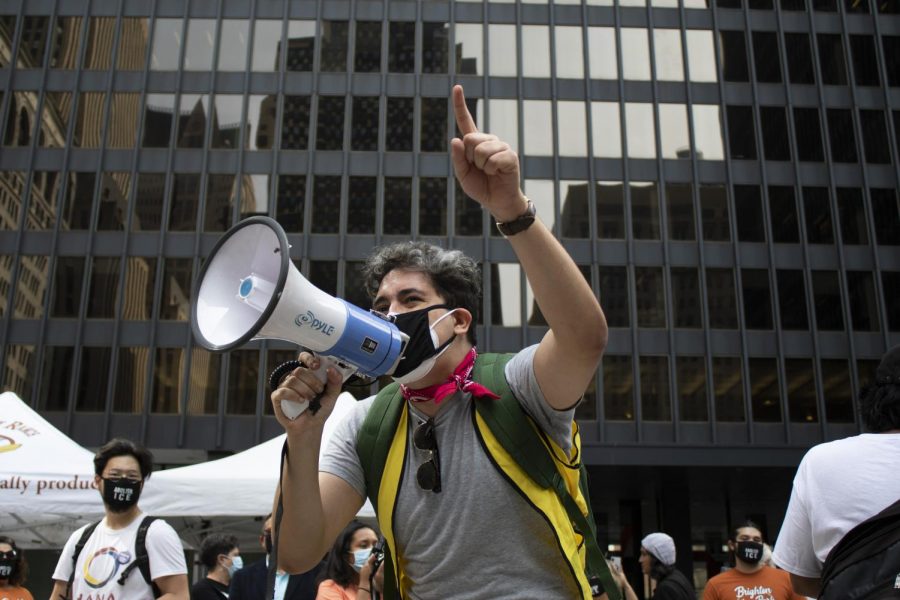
(292, 409)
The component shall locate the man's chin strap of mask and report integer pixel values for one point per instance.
(276, 529)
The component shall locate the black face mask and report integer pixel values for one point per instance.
(268, 542)
(121, 494)
(7, 567)
(749, 552)
(421, 345)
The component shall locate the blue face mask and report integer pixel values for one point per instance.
(237, 563)
(360, 558)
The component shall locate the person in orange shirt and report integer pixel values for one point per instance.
(13, 570)
(348, 568)
(750, 579)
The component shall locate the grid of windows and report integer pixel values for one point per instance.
(725, 172)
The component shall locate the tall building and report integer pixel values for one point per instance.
(725, 173)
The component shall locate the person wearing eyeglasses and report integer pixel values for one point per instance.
(347, 574)
(107, 564)
(13, 571)
(459, 526)
(220, 554)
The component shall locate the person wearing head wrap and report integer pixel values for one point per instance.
(658, 561)
(840, 484)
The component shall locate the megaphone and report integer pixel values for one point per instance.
(249, 289)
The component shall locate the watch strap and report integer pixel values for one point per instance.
(520, 223)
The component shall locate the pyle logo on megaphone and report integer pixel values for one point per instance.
(310, 319)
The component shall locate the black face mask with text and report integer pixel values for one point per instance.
(121, 494)
(749, 552)
(7, 567)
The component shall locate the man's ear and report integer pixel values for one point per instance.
(462, 321)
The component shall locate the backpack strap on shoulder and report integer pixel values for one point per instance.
(141, 558)
(79, 546)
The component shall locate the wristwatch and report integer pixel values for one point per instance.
(520, 223)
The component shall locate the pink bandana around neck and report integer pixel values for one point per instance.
(460, 380)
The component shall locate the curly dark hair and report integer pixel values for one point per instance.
(20, 567)
(122, 447)
(337, 566)
(213, 545)
(455, 276)
(879, 406)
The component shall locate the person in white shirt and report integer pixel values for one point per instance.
(120, 468)
(842, 483)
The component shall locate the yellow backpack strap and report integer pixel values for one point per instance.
(517, 434)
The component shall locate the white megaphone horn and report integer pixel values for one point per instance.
(249, 289)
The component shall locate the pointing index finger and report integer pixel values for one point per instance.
(463, 117)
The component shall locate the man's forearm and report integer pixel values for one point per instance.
(303, 516)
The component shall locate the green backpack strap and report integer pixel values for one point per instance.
(372, 445)
(515, 431)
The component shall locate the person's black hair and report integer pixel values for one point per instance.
(658, 570)
(213, 545)
(742, 525)
(20, 567)
(337, 563)
(879, 406)
(122, 447)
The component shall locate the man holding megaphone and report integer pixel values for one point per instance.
(461, 518)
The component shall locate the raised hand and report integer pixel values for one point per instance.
(303, 385)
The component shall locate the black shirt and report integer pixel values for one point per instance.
(209, 589)
(674, 586)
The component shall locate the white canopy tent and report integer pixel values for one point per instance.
(47, 483)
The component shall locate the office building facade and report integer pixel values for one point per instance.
(724, 172)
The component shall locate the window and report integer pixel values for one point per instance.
(140, 277)
(399, 131)
(757, 299)
(644, 210)
(333, 55)
(840, 134)
(607, 133)
(233, 45)
(330, 123)
(571, 128)
(748, 213)
(535, 51)
(185, 200)
(635, 53)
(890, 45)
(266, 41)
(734, 56)
(836, 390)
(68, 283)
(728, 386)
(614, 295)
(673, 131)
(79, 201)
(650, 296)
(765, 55)
(20, 369)
(203, 394)
(569, 53)
(618, 388)
(776, 145)
(364, 134)
(32, 40)
(45, 188)
(402, 47)
(192, 120)
(295, 123)
(610, 210)
(686, 303)
(865, 65)
(367, 50)
(890, 288)
(886, 216)
(708, 143)
(539, 133)
(741, 133)
(764, 393)
(104, 287)
(876, 143)
(690, 372)
(175, 300)
(227, 118)
(21, 120)
(201, 39)
(800, 381)
(502, 50)
(326, 204)
(434, 47)
(289, 202)
(827, 301)
(783, 213)
(720, 297)
(59, 105)
(64, 45)
(434, 125)
(602, 53)
(817, 208)
(115, 189)
(852, 216)
(667, 54)
(397, 205)
(655, 405)
(831, 59)
(680, 211)
(701, 56)
(148, 202)
(301, 45)
(808, 134)
(792, 299)
(863, 303)
(89, 120)
(433, 206)
(254, 194)
(799, 58)
(714, 213)
(243, 380)
(573, 207)
(470, 48)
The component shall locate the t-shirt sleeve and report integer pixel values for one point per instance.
(64, 565)
(165, 551)
(794, 551)
(329, 590)
(523, 383)
(340, 457)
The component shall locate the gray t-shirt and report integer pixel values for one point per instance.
(477, 538)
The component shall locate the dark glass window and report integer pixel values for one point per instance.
(131, 374)
(64, 43)
(837, 391)
(852, 216)
(185, 200)
(330, 123)
(728, 386)
(865, 65)
(808, 134)
(91, 393)
(295, 123)
(680, 208)
(434, 47)
(792, 299)
(333, 55)
(825, 5)
(800, 381)
(817, 208)
(831, 59)
(714, 213)
(799, 57)
(32, 41)
(399, 131)
(364, 134)
(890, 288)
(720, 297)
(793, 4)
(192, 119)
(32, 285)
(367, 51)
(764, 393)
(469, 214)
(776, 145)
(690, 372)
(397, 205)
(890, 44)
(301, 46)
(68, 283)
(158, 120)
(618, 388)
(876, 143)
(757, 298)
(765, 55)
(290, 201)
(175, 301)
(220, 198)
(888, 8)
(650, 295)
(55, 377)
(840, 134)
(89, 119)
(644, 211)
(140, 279)
(149, 200)
(361, 205)
(827, 300)
(611, 210)
(326, 204)
(21, 120)
(243, 378)
(203, 394)
(686, 297)
(433, 206)
(323, 275)
(614, 295)
(886, 216)
(748, 213)
(104, 287)
(402, 47)
(863, 303)
(133, 44)
(354, 285)
(783, 213)
(58, 107)
(434, 136)
(741, 134)
(728, 3)
(79, 201)
(655, 405)
(734, 56)
(856, 6)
